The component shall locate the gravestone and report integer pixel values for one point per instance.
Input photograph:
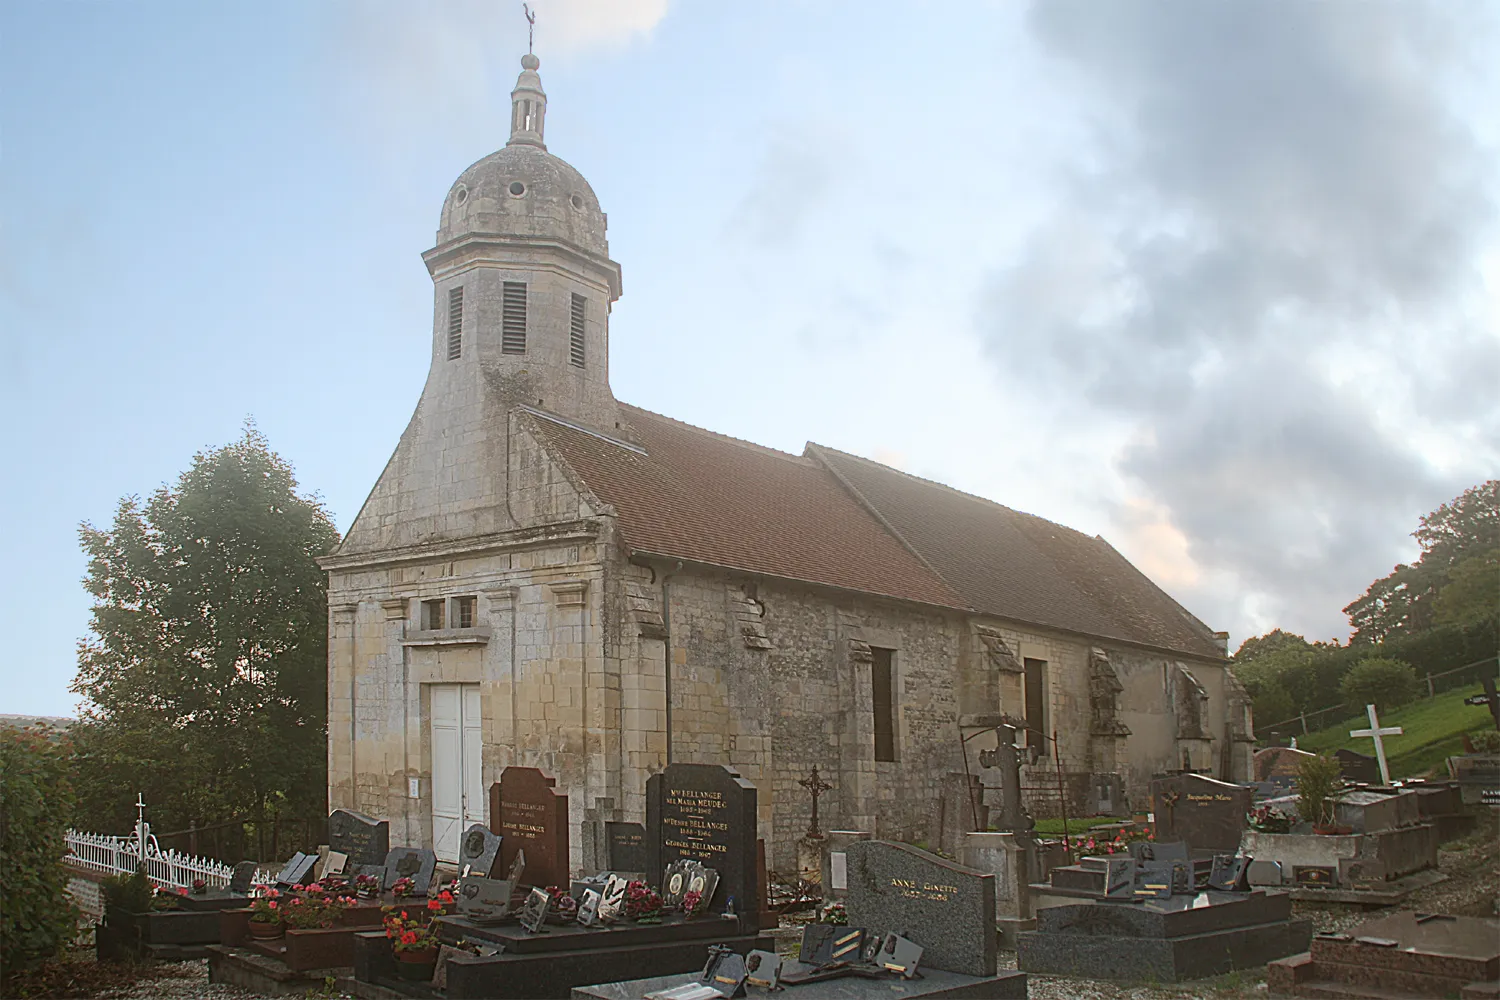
(415, 863)
(530, 816)
(1358, 767)
(627, 846)
(946, 908)
(706, 813)
(1279, 762)
(364, 839)
(1207, 813)
(244, 875)
(297, 870)
(479, 852)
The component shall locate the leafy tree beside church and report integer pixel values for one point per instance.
(205, 673)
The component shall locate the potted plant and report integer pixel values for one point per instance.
(312, 910)
(1318, 785)
(414, 941)
(265, 916)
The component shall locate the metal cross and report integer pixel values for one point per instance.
(1169, 803)
(530, 26)
(1375, 733)
(817, 786)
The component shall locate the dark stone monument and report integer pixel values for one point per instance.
(415, 863)
(946, 908)
(298, 870)
(531, 817)
(1167, 940)
(364, 839)
(706, 813)
(479, 852)
(1207, 813)
(243, 877)
(627, 846)
(1358, 767)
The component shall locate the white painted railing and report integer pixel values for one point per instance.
(123, 855)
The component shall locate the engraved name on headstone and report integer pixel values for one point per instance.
(706, 813)
(530, 816)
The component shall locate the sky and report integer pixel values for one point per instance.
(1219, 282)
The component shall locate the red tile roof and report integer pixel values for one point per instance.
(707, 498)
(1019, 566)
(830, 518)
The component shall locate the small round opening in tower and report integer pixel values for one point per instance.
(577, 200)
(461, 195)
(517, 188)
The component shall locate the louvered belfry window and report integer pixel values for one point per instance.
(455, 322)
(575, 345)
(513, 318)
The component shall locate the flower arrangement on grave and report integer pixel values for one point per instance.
(692, 902)
(200, 887)
(266, 908)
(642, 903)
(1268, 819)
(438, 904)
(403, 887)
(313, 908)
(833, 913)
(167, 899)
(335, 885)
(410, 930)
(367, 886)
(564, 908)
(1119, 843)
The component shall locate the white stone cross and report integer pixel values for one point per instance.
(1375, 733)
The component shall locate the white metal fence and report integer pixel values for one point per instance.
(124, 855)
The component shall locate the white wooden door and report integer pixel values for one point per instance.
(457, 787)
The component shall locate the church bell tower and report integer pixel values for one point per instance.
(522, 278)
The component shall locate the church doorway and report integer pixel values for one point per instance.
(457, 787)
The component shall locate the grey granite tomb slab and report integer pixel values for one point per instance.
(946, 908)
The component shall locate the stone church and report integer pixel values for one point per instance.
(548, 577)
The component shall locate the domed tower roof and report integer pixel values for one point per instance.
(523, 190)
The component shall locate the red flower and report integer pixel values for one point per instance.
(433, 904)
(272, 904)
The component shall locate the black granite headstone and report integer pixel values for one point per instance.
(1358, 767)
(1207, 813)
(946, 908)
(298, 870)
(707, 813)
(364, 839)
(415, 863)
(627, 847)
(243, 877)
(479, 852)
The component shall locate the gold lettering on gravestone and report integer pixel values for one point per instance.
(525, 820)
(1204, 800)
(922, 889)
(693, 830)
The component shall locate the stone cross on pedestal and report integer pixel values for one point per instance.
(1007, 758)
(1375, 733)
(816, 786)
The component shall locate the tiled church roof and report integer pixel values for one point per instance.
(712, 499)
(831, 518)
(1019, 566)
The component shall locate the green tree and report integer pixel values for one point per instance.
(1405, 602)
(1472, 593)
(205, 674)
(1379, 681)
(37, 917)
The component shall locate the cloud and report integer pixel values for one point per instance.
(1269, 261)
(791, 182)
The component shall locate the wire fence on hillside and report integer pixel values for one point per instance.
(1321, 718)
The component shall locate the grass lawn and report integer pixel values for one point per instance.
(1054, 827)
(1434, 728)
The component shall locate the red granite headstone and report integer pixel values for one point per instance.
(530, 816)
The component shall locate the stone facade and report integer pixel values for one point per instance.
(599, 663)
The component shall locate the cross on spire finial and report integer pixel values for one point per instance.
(530, 27)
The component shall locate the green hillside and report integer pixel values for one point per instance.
(1434, 728)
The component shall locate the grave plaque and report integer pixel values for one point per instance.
(479, 852)
(946, 908)
(1315, 876)
(627, 846)
(705, 813)
(1119, 878)
(1358, 767)
(1207, 813)
(364, 839)
(1229, 873)
(244, 875)
(415, 863)
(530, 816)
(297, 870)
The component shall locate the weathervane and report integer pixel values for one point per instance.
(530, 26)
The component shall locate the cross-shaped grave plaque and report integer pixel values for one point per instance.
(815, 786)
(1375, 733)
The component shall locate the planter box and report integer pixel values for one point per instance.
(162, 934)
